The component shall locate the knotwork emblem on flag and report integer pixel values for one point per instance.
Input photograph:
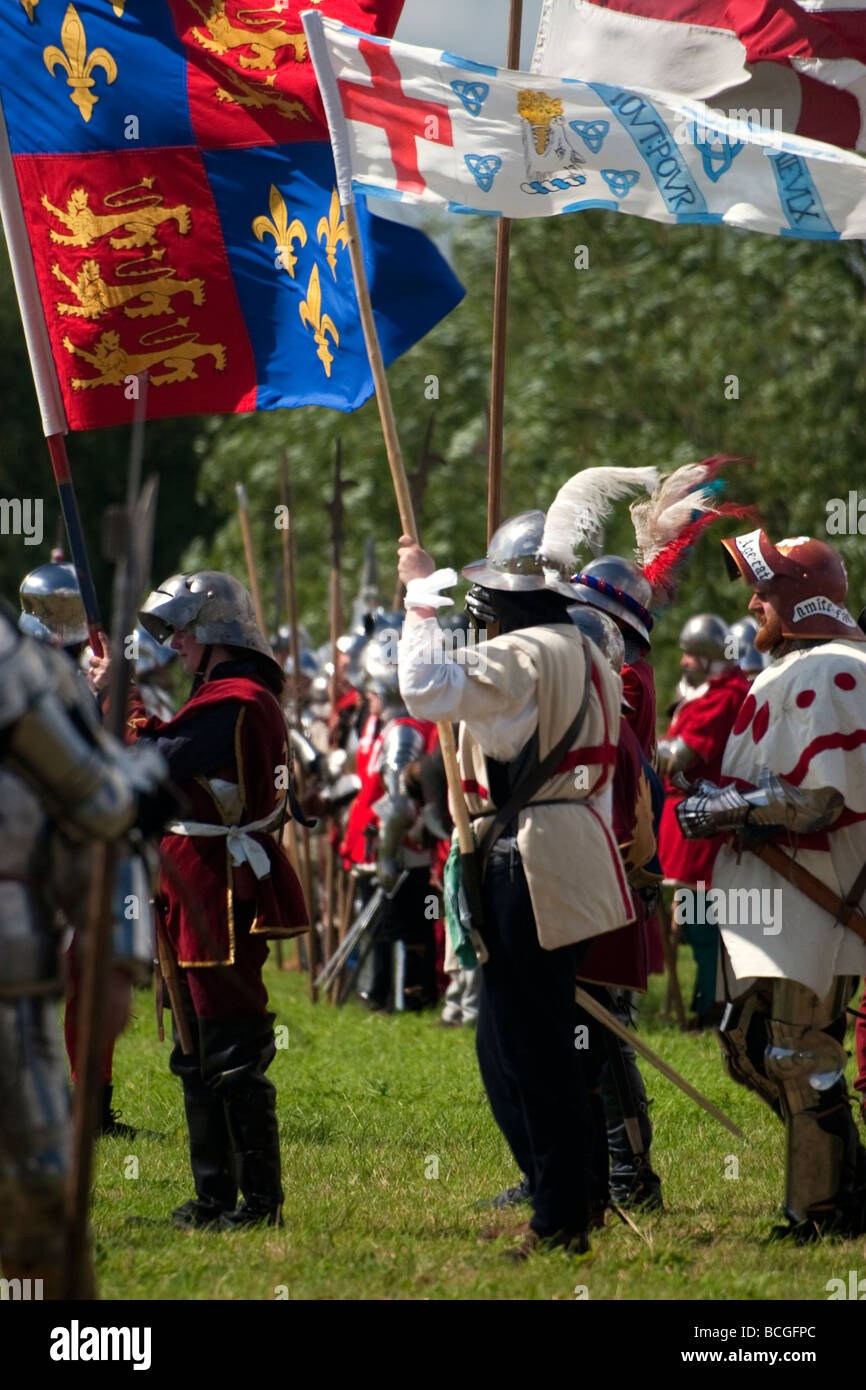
(484, 169)
(592, 133)
(620, 181)
(472, 94)
(717, 155)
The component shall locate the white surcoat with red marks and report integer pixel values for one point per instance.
(804, 719)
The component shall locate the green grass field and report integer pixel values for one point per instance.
(371, 1108)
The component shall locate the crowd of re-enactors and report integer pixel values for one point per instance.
(291, 807)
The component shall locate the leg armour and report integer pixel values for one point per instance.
(806, 1060)
(34, 1113)
(743, 1039)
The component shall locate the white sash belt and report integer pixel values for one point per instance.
(242, 847)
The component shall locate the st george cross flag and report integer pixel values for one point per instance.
(178, 188)
(430, 127)
(796, 66)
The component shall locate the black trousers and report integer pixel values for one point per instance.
(406, 918)
(538, 1081)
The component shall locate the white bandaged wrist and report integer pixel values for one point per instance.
(425, 593)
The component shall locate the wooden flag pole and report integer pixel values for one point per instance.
(291, 597)
(249, 552)
(404, 497)
(500, 319)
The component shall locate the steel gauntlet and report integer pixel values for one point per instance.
(709, 810)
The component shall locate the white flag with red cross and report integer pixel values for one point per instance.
(420, 125)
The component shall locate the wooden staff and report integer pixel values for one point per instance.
(418, 487)
(500, 319)
(335, 606)
(129, 544)
(291, 597)
(249, 552)
(674, 994)
(403, 496)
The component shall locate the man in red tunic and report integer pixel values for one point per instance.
(694, 744)
(226, 887)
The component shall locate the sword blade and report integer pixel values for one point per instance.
(597, 1011)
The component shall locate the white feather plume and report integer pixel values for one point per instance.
(581, 507)
(665, 515)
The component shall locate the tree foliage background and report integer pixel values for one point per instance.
(626, 361)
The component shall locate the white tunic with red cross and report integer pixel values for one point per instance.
(804, 719)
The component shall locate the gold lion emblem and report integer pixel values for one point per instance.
(86, 226)
(221, 35)
(114, 364)
(96, 297)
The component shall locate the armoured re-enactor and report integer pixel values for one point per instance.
(795, 768)
(63, 782)
(540, 897)
(226, 888)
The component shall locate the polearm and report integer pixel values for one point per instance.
(335, 606)
(250, 556)
(54, 423)
(601, 1014)
(130, 535)
(418, 485)
(500, 318)
(339, 139)
(287, 538)
(255, 590)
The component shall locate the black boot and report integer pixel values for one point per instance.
(210, 1147)
(237, 1052)
(252, 1120)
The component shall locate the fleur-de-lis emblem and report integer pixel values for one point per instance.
(117, 6)
(77, 64)
(333, 232)
(321, 324)
(282, 231)
(30, 8)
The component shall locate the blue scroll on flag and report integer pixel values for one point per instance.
(174, 169)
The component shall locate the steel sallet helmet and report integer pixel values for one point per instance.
(747, 656)
(706, 635)
(215, 608)
(51, 595)
(514, 561)
(617, 586)
(601, 630)
(804, 578)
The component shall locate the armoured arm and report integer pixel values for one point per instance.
(709, 810)
(54, 741)
(396, 810)
(674, 755)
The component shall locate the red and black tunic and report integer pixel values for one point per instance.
(233, 730)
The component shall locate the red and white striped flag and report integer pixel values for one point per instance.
(795, 67)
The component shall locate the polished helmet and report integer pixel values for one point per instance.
(746, 654)
(601, 630)
(706, 635)
(213, 607)
(51, 595)
(514, 560)
(804, 579)
(617, 586)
